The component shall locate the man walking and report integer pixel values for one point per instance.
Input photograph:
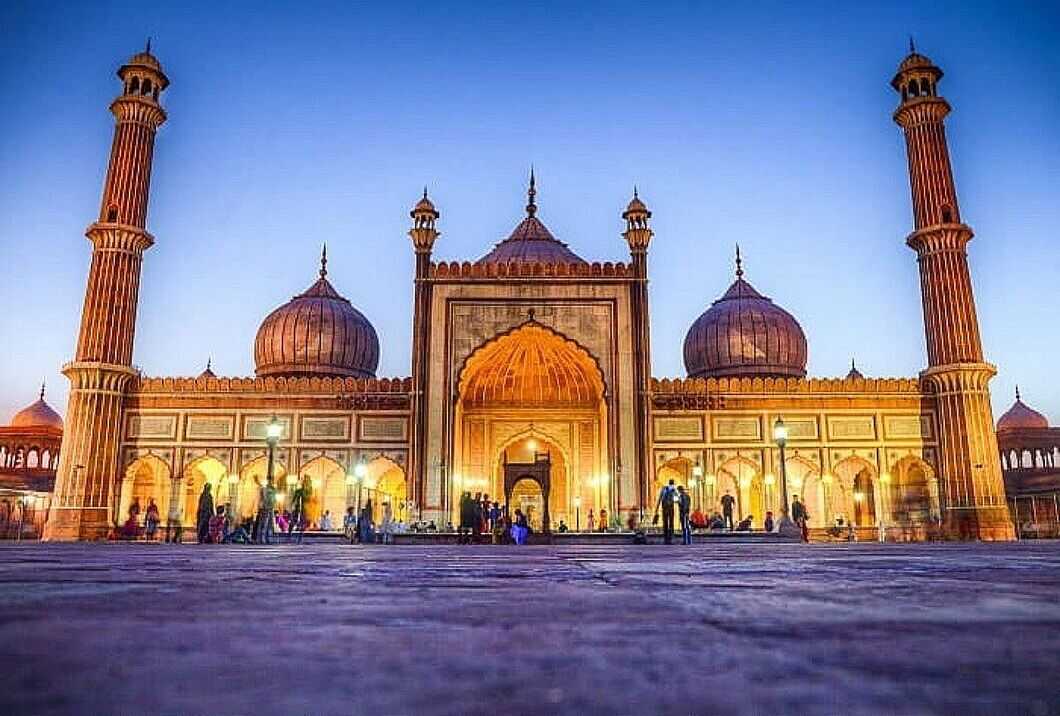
(727, 503)
(666, 502)
(684, 505)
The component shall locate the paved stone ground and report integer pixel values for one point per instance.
(734, 628)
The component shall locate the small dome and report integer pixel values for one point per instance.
(854, 373)
(317, 333)
(145, 59)
(636, 206)
(744, 333)
(38, 415)
(1021, 416)
(424, 206)
(914, 61)
(531, 241)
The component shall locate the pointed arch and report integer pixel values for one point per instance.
(531, 366)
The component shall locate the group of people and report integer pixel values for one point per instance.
(479, 516)
(676, 499)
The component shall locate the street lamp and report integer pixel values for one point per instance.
(780, 437)
(577, 513)
(697, 478)
(359, 472)
(273, 431)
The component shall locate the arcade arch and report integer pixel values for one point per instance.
(147, 478)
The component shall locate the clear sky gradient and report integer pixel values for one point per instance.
(759, 123)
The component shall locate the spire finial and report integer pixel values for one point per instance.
(42, 383)
(635, 192)
(324, 260)
(852, 365)
(1017, 391)
(912, 45)
(424, 191)
(209, 360)
(531, 205)
(739, 263)
(148, 48)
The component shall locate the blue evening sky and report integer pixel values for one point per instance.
(767, 124)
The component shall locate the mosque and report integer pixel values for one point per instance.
(531, 380)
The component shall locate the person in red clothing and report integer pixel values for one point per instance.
(698, 519)
(216, 529)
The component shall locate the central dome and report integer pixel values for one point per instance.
(744, 333)
(317, 333)
(531, 242)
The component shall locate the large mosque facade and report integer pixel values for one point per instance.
(531, 381)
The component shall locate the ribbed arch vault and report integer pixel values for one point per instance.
(531, 367)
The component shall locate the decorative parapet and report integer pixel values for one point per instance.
(454, 270)
(303, 385)
(710, 393)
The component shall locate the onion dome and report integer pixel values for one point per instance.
(744, 333)
(531, 241)
(1021, 416)
(38, 415)
(317, 332)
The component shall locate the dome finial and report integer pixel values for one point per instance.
(739, 264)
(209, 360)
(531, 205)
(635, 196)
(324, 260)
(912, 46)
(424, 191)
(42, 383)
(1017, 391)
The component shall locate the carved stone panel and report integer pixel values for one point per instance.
(679, 429)
(151, 427)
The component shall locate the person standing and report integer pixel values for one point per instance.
(603, 519)
(265, 517)
(151, 520)
(388, 523)
(349, 525)
(684, 505)
(591, 521)
(666, 503)
(174, 530)
(800, 517)
(296, 520)
(727, 504)
(325, 522)
(203, 514)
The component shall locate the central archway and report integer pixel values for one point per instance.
(531, 385)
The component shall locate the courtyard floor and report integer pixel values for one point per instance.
(718, 629)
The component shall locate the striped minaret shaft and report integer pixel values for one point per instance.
(638, 235)
(973, 493)
(89, 463)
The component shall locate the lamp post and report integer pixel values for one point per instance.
(359, 472)
(577, 513)
(696, 481)
(780, 437)
(233, 497)
(273, 431)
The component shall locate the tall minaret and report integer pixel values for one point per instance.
(88, 472)
(973, 493)
(423, 234)
(638, 235)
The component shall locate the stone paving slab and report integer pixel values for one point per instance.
(621, 629)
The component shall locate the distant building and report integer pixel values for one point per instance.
(1030, 449)
(531, 381)
(29, 455)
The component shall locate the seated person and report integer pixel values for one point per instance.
(768, 525)
(563, 526)
(717, 522)
(698, 519)
(745, 524)
(216, 526)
